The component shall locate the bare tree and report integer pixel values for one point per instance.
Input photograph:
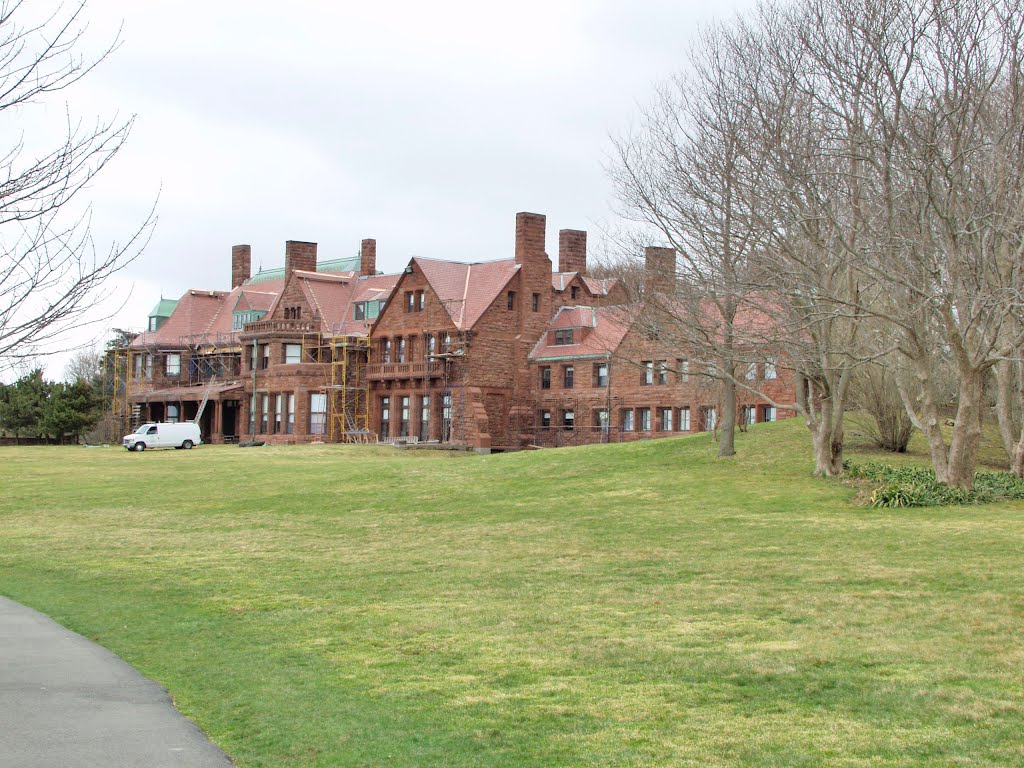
(84, 365)
(51, 272)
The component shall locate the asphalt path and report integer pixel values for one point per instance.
(65, 702)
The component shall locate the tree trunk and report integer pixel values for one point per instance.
(966, 440)
(1011, 430)
(727, 440)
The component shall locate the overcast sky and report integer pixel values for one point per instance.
(424, 125)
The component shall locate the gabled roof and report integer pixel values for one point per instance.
(367, 288)
(192, 316)
(597, 287)
(466, 290)
(607, 327)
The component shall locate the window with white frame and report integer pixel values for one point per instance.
(172, 414)
(751, 373)
(173, 364)
(665, 419)
(264, 413)
(602, 420)
(290, 413)
(683, 367)
(770, 371)
(403, 422)
(645, 419)
(662, 367)
(647, 376)
(292, 353)
(385, 417)
(568, 420)
(684, 419)
(317, 413)
(710, 418)
(424, 418)
(278, 412)
(768, 413)
(627, 419)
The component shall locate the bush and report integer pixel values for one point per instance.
(918, 486)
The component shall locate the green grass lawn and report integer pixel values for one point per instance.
(628, 605)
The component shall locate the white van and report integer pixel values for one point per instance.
(161, 435)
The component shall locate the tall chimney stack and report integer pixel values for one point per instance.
(299, 255)
(659, 270)
(368, 257)
(241, 264)
(572, 251)
(530, 235)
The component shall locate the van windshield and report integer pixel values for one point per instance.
(142, 429)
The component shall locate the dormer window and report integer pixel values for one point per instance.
(153, 323)
(563, 336)
(292, 313)
(574, 292)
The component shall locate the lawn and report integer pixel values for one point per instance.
(629, 605)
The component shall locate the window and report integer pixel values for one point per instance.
(278, 407)
(665, 419)
(446, 343)
(292, 353)
(770, 371)
(172, 414)
(138, 365)
(563, 336)
(510, 299)
(401, 351)
(265, 362)
(536, 302)
(264, 413)
(359, 310)
(152, 323)
(292, 313)
(290, 413)
(647, 376)
(683, 366)
(373, 309)
(567, 376)
(317, 413)
(574, 292)
(662, 367)
(568, 420)
(645, 419)
(425, 418)
(173, 365)
(751, 372)
(385, 417)
(410, 301)
(403, 423)
(545, 420)
(684, 419)
(627, 419)
(767, 413)
(430, 347)
(602, 420)
(385, 351)
(545, 377)
(420, 300)
(748, 415)
(600, 374)
(149, 366)
(446, 416)
(710, 418)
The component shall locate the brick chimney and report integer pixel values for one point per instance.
(368, 257)
(659, 270)
(531, 231)
(241, 264)
(299, 255)
(572, 250)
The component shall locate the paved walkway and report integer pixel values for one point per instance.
(65, 702)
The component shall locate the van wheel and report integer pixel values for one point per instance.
(187, 445)
(139, 447)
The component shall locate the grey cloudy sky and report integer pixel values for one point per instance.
(424, 125)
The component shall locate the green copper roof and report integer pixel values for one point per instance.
(350, 264)
(164, 308)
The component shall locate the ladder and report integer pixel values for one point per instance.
(206, 399)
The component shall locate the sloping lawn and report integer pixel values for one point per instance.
(628, 605)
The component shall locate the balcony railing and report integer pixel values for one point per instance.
(420, 370)
(279, 326)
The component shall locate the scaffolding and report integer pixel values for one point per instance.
(119, 415)
(350, 415)
(454, 408)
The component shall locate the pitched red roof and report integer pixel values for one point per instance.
(601, 331)
(191, 318)
(466, 290)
